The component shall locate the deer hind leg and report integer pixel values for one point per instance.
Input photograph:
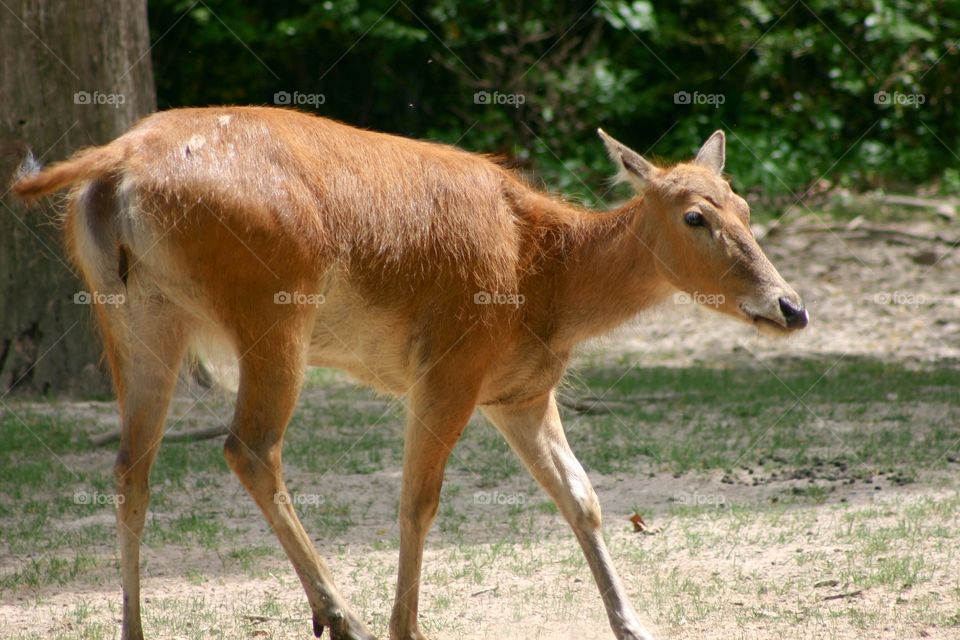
(145, 340)
(535, 433)
(271, 373)
(437, 415)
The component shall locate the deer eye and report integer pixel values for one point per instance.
(693, 218)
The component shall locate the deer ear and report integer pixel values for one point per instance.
(713, 153)
(633, 167)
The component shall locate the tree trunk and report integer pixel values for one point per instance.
(72, 74)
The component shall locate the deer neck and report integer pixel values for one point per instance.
(609, 273)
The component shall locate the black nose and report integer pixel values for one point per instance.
(795, 315)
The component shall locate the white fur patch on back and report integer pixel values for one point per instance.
(195, 143)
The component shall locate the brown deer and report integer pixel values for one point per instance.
(421, 269)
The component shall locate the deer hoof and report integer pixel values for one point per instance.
(343, 626)
(414, 635)
(636, 634)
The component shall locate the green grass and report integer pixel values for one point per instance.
(856, 413)
(860, 421)
(248, 558)
(339, 433)
(47, 571)
(331, 518)
(204, 528)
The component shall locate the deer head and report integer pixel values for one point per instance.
(699, 232)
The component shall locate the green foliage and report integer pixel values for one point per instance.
(858, 93)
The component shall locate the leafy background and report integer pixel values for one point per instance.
(798, 80)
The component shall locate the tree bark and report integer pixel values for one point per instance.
(72, 74)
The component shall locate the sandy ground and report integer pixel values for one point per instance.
(532, 586)
(523, 577)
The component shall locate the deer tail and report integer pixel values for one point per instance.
(32, 182)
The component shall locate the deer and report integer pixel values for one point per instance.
(422, 270)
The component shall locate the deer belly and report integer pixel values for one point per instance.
(370, 345)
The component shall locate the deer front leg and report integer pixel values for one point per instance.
(535, 433)
(436, 417)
